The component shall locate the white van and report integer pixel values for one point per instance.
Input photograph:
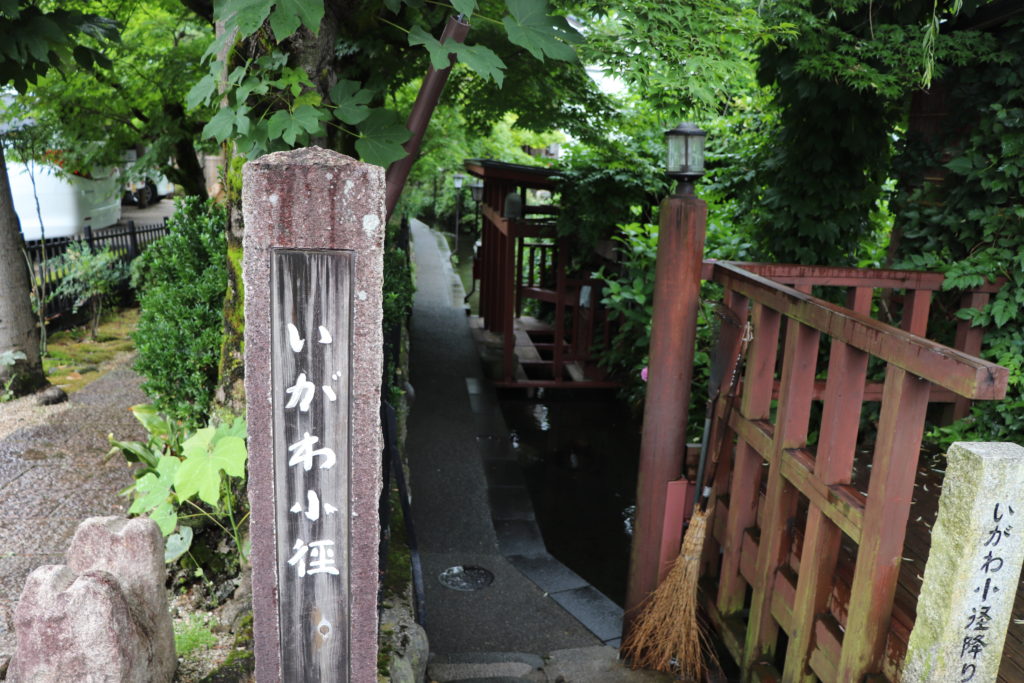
(67, 203)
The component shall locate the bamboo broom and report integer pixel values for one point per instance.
(669, 634)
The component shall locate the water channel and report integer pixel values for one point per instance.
(578, 450)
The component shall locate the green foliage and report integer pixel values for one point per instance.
(604, 186)
(179, 466)
(398, 290)
(9, 359)
(88, 277)
(818, 186)
(181, 280)
(135, 102)
(193, 634)
(270, 101)
(628, 296)
(971, 227)
(35, 40)
(685, 59)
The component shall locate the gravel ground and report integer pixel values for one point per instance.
(23, 412)
(55, 472)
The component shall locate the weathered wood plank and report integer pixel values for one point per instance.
(946, 367)
(310, 366)
(835, 453)
(744, 490)
(885, 520)
(791, 424)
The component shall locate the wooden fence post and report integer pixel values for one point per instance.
(313, 268)
(666, 406)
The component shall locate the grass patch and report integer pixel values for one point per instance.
(73, 360)
(192, 634)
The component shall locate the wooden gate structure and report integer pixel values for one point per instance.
(802, 569)
(521, 258)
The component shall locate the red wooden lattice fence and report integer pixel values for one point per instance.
(798, 548)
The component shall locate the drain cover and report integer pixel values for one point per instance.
(462, 578)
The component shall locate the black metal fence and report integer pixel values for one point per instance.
(127, 241)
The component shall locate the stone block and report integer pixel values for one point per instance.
(973, 567)
(102, 617)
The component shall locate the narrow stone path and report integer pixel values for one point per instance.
(54, 472)
(537, 620)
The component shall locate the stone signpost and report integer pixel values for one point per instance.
(313, 264)
(970, 581)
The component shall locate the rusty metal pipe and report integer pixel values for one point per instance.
(419, 117)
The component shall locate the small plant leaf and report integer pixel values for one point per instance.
(151, 419)
(166, 517)
(153, 489)
(177, 544)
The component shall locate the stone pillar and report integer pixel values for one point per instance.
(970, 581)
(313, 266)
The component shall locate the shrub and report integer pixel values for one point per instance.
(181, 280)
(88, 277)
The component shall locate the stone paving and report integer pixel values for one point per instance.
(54, 472)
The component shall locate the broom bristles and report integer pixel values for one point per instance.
(668, 634)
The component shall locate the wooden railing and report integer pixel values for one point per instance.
(785, 500)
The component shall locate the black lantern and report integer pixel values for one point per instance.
(685, 155)
(478, 191)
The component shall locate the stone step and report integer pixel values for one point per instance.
(596, 664)
(493, 667)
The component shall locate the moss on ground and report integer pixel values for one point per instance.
(72, 360)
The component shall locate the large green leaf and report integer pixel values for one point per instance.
(289, 125)
(351, 99)
(221, 126)
(466, 7)
(381, 139)
(438, 52)
(483, 60)
(245, 15)
(153, 489)
(289, 14)
(201, 91)
(530, 26)
(205, 458)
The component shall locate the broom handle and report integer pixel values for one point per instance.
(730, 399)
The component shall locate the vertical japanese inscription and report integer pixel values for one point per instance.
(311, 397)
(990, 579)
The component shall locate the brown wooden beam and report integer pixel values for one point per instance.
(946, 367)
(666, 406)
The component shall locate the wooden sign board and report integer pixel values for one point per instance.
(311, 399)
